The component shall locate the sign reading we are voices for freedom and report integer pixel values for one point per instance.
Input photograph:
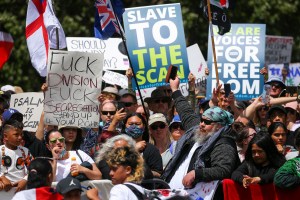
(240, 56)
(155, 40)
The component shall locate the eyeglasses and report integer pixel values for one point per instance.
(106, 112)
(176, 126)
(208, 122)
(156, 126)
(161, 101)
(127, 104)
(54, 140)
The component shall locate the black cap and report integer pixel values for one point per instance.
(68, 184)
(276, 107)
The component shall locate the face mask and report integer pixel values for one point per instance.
(134, 131)
(62, 153)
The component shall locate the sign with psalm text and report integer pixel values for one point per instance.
(278, 49)
(30, 104)
(240, 55)
(74, 82)
(115, 78)
(293, 73)
(115, 57)
(155, 40)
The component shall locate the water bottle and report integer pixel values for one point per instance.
(73, 161)
(266, 94)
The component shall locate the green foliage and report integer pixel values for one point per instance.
(77, 18)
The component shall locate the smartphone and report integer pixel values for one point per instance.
(121, 105)
(227, 88)
(172, 72)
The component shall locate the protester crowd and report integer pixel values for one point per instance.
(180, 140)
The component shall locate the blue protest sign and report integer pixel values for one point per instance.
(155, 40)
(240, 55)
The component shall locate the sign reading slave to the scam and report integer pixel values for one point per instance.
(30, 104)
(74, 82)
(278, 49)
(155, 40)
(292, 70)
(240, 56)
(115, 57)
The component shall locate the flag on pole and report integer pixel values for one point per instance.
(41, 25)
(106, 18)
(6, 45)
(220, 3)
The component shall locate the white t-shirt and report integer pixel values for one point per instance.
(63, 166)
(17, 169)
(176, 181)
(121, 191)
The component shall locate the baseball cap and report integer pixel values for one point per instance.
(276, 107)
(157, 117)
(7, 88)
(68, 184)
(176, 119)
(11, 112)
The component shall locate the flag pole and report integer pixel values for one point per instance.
(130, 63)
(212, 42)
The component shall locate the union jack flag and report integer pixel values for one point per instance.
(106, 23)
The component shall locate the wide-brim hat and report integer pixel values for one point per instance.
(60, 128)
(112, 90)
(157, 94)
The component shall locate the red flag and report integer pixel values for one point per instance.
(6, 45)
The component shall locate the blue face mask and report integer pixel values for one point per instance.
(134, 131)
(62, 153)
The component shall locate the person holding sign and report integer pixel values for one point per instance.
(207, 151)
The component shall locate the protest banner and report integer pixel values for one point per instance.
(30, 104)
(74, 83)
(240, 56)
(293, 77)
(114, 78)
(155, 40)
(115, 57)
(278, 49)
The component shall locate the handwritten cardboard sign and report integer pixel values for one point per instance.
(293, 76)
(74, 83)
(115, 57)
(278, 49)
(30, 104)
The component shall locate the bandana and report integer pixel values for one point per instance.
(219, 115)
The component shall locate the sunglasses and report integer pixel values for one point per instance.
(156, 126)
(208, 122)
(265, 108)
(176, 126)
(276, 85)
(161, 101)
(54, 140)
(127, 104)
(106, 112)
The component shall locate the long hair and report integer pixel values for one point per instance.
(146, 132)
(264, 141)
(79, 139)
(275, 125)
(128, 157)
(38, 172)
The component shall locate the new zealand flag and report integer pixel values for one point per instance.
(106, 23)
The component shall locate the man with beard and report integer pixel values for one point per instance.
(207, 151)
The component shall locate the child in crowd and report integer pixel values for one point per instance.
(15, 158)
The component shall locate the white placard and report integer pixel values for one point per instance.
(115, 57)
(114, 78)
(74, 82)
(30, 104)
(293, 77)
